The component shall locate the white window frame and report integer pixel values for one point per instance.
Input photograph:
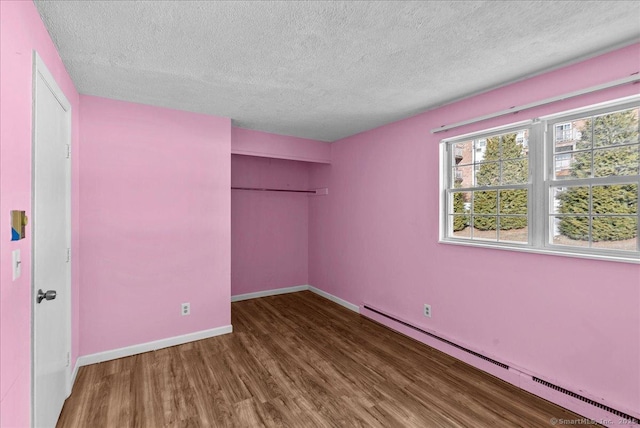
(482, 137)
(541, 144)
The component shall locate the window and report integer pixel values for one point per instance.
(488, 191)
(572, 192)
(594, 184)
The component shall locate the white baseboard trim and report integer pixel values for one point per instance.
(274, 292)
(335, 299)
(127, 351)
(151, 346)
(295, 289)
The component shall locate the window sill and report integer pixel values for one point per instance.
(551, 251)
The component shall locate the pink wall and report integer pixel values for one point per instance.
(22, 31)
(155, 223)
(374, 239)
(269, 230)
(264, 144)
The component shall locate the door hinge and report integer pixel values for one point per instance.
(68, 151)
(68, 359)
(68, 255)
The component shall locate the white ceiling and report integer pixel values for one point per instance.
(322, 70)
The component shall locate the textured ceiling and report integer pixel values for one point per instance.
(322, 70)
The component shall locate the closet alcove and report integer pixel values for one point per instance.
(270, 206)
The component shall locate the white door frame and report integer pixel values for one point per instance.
(39, 68)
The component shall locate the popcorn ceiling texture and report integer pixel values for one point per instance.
(321, 70)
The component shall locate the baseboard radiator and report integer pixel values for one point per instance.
(629, 418)
(441, 339)
(623, 415)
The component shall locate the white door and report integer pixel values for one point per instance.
(51, 226)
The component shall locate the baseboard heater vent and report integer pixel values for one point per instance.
(629, 418)
(587, 400)
(448, 342)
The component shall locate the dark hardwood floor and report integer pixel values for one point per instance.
(299, 360)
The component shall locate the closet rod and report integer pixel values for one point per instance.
(273, 190)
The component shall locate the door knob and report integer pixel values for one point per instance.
(49, 295)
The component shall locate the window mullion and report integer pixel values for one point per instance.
(537, 210)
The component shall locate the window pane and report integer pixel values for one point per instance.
(513, 201)
(460, 226)
(485, 202)
(572, 165)
(462, 153)
(571, 200)
(615, 199)
(514, 229)
(461, 202)
(479, 149)
(515, 145)
(522, 138)
(617, 231)
(488, 174)
(515, 171)
(624, 245)
(571, 136)
(615, 128)
(573, 231)
(616, 161)
(462, 176)
(485, 228)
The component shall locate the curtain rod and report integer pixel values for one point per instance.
(634, 78)
(322, 191)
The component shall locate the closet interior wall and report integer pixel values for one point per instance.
(269, 230)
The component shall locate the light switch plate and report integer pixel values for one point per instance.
(16, 264)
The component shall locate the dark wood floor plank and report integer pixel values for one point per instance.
(299, 360)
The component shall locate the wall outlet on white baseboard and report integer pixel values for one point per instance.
(427, 310)
(186, 309)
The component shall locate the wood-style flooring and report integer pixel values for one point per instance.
(299, 360)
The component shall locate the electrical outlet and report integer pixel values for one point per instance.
(427, 310)
(186, 309)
